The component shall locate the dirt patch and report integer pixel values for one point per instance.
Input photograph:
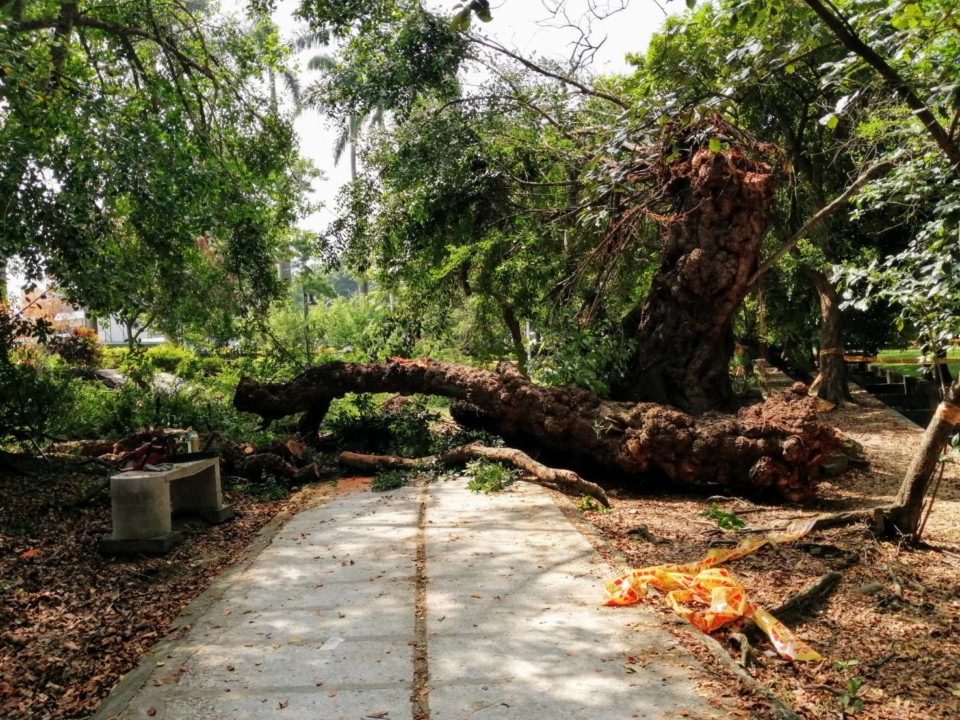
(889, 635)
(74, 621)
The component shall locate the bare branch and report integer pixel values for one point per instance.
(584, 89)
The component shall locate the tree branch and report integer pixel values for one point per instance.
(584, 89)
(868, 175)
(119, 31)
(847, 35)
(541, 473)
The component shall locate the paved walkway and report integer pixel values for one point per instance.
(426, 603)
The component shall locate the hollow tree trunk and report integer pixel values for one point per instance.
(908, 507)
(709, 251)
(831, 385)
(771, 449)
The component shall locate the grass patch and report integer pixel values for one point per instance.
(912, 368)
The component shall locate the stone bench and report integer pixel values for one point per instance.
(143, 504)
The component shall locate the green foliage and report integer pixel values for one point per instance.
(80, 348)
(33, 400)
(724, 520)
(152, 178)
(361, 426)
(588, 503)
(168, 357)
(392, 52)
(588, 357)
(488, 476)
(848, 699)
(392, 480)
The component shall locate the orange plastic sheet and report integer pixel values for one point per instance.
(689, 588)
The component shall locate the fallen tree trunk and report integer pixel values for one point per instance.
(535, 471)
(771, 449)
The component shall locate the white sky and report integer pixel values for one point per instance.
(519, 25)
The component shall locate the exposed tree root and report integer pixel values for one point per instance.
(799, 604)
(535, 472)
(719, 653)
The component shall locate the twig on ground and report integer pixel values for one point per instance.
(780, 709)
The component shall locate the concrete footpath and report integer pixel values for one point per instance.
(427, 603)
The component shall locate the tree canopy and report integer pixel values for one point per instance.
(129, 134)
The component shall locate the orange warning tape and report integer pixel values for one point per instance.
(948, 412)
(724, 597)
(898, 361)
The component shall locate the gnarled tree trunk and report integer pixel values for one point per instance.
(771, 449)
(709, 250)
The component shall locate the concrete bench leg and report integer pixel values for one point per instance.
(141, 517)
(200, 494)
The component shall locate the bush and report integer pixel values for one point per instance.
(391, 480)
(32, 398)
(360, 425)
(169, 357)
(114, 357)
(80, 348)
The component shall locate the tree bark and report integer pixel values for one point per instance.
(831, 384)
(709, 251)
(534, 471)
(516, 334)
(770, 450)
(908, 507)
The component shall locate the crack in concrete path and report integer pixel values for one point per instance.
(420, 698)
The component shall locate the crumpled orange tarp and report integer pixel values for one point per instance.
(703, 583)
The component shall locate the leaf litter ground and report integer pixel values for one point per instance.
(890, 635)
(73, 621)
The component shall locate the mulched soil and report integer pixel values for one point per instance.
(894, 621)
(73, 621)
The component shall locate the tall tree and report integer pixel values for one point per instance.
(131, 130)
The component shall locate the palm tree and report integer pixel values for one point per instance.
(350, 130)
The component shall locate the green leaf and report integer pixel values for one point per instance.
(791, 69)
(715, 145)
(691, 4)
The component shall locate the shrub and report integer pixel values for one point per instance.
(391, 480)
(114, 357)
(32, 398)
(80, 348)
(169, 357)
(360, 425)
